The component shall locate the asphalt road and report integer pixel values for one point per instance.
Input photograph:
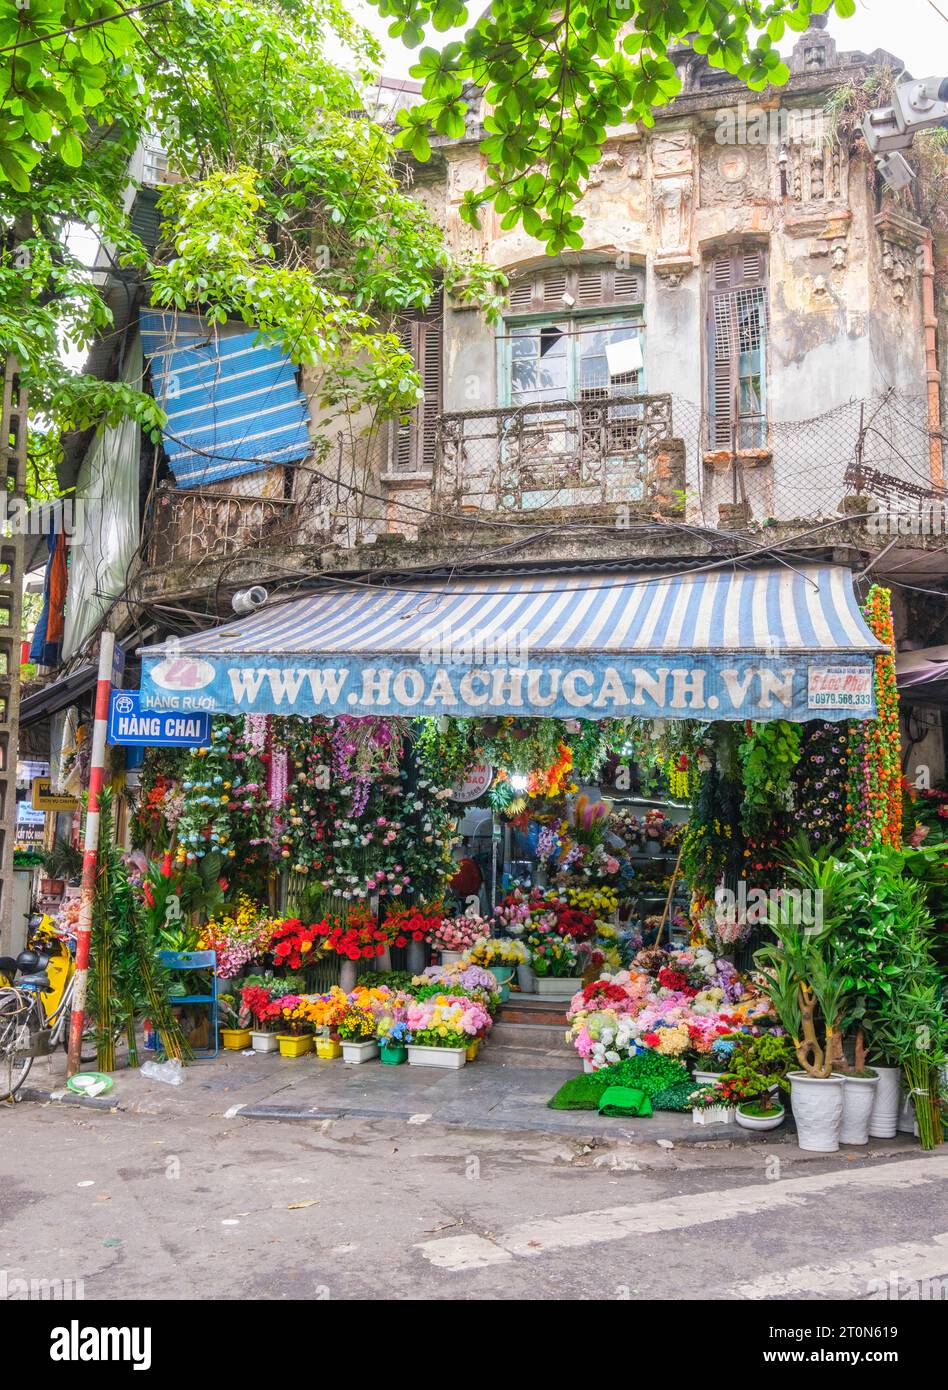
(127, 1206)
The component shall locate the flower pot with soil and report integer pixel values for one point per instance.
(760, 1115)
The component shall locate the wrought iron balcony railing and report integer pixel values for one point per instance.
(190, 525)
(554, 454)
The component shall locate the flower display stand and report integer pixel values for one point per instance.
(450, 1057)
(356, 1052)
(292, 1045)
(563, 988)
(263, 1042)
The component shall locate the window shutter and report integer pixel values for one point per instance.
(591, 287)
(415, 437)
(737, 284)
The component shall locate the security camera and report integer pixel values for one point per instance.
(915, 106)
(896, 170)
(249, 599)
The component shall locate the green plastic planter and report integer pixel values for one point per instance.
(393, 1056)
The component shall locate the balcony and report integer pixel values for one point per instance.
(190, 525)
(552, 455)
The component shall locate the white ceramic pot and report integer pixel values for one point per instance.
(356, 1052)
(264, 1042)
(883, 1120)
(563, 988)
(526, 979)
(859, 1093)
(348, 972)
(451, 957)
(759, 1121)
(451, 1057)
(817, 1104)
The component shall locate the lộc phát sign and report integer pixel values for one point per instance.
(131, 726)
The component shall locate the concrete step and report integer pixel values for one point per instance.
(526, 1011)
(543, 1035)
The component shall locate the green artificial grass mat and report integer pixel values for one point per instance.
(665, 1081)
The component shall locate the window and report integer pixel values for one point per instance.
(414, 437)
(737, 349)
(579, 344)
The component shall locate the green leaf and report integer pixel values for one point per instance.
(69, 148)
(13, 171)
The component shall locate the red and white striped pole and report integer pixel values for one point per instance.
(90, 849)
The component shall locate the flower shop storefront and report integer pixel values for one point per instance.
(581, 787)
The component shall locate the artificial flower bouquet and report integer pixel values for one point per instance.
(404, 924)
(239, 937)
(356, 937)
(552, 956)
(261, 1006)
(294, 945)
(357, 1024)
(296, 1015)
(496, 950)
(463, 978)
(597, 901)
(459, 933)
(446, 1020)
(393, 1033)
(327, 1010)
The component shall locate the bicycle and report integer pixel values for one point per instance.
(29, 1026)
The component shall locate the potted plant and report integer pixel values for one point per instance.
(755, 1077)
(296, 1027)
(501, 957)
(442, 1027)
(357, 1035)
(258, 1001)
(327, 1011)
(61, 863)
(235, 1034)
(393, 1042)
(555, 963)
(710, 1106)
(808, 988)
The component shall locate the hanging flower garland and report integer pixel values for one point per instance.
(874, 800)
(226, 809)
(304, 809)
(820, 783)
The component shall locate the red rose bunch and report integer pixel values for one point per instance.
(676, 980)
(404, 924)
(293, 944)
(359, 937)
(574, 923)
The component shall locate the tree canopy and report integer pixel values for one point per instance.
(556, 76)
(290, 209)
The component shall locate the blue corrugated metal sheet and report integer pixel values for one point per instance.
(230, 401)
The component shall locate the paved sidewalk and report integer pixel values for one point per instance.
(481, 1096)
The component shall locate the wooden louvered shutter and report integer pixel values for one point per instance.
(737, 307)
(415, 438)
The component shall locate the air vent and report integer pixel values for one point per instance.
(589, 286)
(629, 288)
(554, 287)
(521, 295)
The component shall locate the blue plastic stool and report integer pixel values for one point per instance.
(196, 960)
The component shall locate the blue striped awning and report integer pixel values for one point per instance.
(775, 643)
(230, 400)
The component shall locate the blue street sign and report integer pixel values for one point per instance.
(129, 725)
